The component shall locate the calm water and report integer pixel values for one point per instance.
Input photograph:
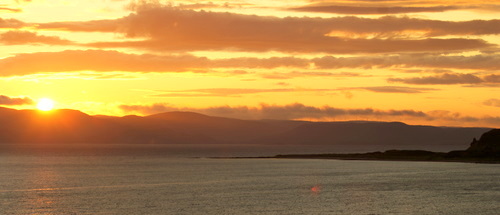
(58, 183)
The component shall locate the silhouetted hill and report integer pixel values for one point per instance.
(378, 135)
(220, 129)
(70, 126)
(488, 143)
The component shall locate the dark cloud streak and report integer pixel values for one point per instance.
(6, 100)
(26, 37)
(392, 89)
(366, 10)
(266, 111)
(449, 78)
(483, 61)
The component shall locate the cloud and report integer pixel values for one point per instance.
(105, 61)
(449, 78)
(228, 92)
(225, 92)
(6, 100)
(158, 21)
(11, 23)
(436, 71)
(492, 102)
(109, 26)
(209, 5)
(483, 61)
(96, 60)
(26, 37)
(85, 75)
(367, 10)
(199, 6)
(266, 111)
(448, 116)
(264, 63)
(493, 79)
(392, 89)
(301, 111)
(282, 84)
(165, 28)
(296, 74)
(320, 44)
(8, 9)
(147, 109)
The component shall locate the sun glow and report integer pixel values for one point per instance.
(45, 104)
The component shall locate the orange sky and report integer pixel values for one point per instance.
(420, 62)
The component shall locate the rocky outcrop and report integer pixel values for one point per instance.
(489, 143)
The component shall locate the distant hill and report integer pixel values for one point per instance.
(71, 126)
(372, 135)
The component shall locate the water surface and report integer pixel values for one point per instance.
(159, 184)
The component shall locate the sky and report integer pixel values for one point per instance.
(415, 61)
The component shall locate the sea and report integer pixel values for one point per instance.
(156, 179)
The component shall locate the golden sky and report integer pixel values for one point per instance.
(420, 62)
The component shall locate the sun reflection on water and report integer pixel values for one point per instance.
(42, 197)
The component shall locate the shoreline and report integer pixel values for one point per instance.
(390, 155)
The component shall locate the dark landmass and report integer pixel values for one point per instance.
(75, 127)
(484, 150)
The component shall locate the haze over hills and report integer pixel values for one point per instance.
(71, 126)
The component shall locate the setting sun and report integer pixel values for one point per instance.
(45, 104)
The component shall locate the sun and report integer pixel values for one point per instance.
(45, 104)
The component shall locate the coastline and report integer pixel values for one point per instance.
(391, 155)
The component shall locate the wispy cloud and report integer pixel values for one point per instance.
(266, 111)
(343, 9)
(6, 100)
(492, 102)
(110, 26)
(96, 60)
(105, 61)
(9, 9)
(26, 37)
(450, 78)
(297, 74)
(224, 92)
(204, 5)
(392, 89)
(227, 92)
(482, 61)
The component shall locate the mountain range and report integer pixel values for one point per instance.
(71, 126)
